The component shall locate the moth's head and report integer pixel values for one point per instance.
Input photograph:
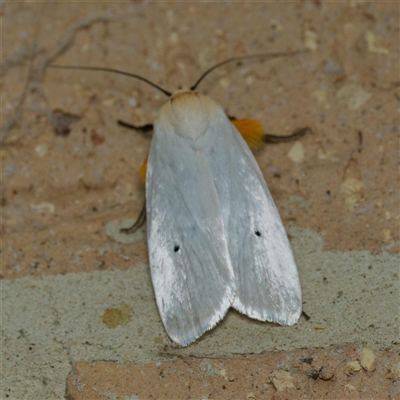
(188, 113)
(185, 105)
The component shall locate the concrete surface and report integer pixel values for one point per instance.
(51, 322)
(79, 319)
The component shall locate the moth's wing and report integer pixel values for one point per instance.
(190, 265)
(267, 281)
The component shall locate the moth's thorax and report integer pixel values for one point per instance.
(187, 114)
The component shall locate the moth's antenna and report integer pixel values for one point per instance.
(249, 57)
(115, 71)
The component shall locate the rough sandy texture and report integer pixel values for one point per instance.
(78, 301)
(112, 315)
(333, 374)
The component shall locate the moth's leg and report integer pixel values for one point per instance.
(305, 315)
(297, 134)
(253, 133)
(143, 128)
(138, 223)
(142, 216)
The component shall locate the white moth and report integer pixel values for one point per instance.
(214, 234)
(215, 237)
